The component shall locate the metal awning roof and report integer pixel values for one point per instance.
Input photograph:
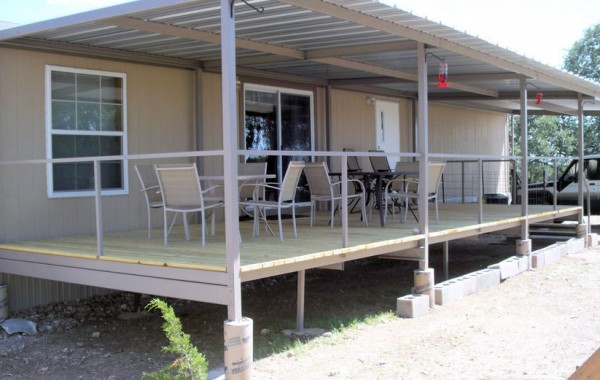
(355, 44)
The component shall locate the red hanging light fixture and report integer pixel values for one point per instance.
(443, 75)
(538, 97)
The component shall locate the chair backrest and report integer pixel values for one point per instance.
(435, 176)
(407, 166)
(180, 185)
(290, 181)
(246, 168)
(592, 170)
(353, 165)
(148, 182)
(379, 163)
(318, 179)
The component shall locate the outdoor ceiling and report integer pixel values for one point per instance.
(355, 44)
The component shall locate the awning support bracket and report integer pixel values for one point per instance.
(257, 9)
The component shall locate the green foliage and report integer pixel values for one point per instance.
(583, 58)
(190, 364)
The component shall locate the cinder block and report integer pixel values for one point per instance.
(469, 283)
(487, 277)
(562, 248)
(448, 291)
(538, 259)
(508, 268)
(592, 240)
(551, 254)
(575, 245)
(412, 305)
(523, 262)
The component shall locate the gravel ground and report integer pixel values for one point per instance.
(540, 324)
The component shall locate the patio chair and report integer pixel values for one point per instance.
(355, 170)
(150, 187)
(394, 187)
(323, 190)
(248, 168)
(410, 188)
(182, 193)
(285, 198)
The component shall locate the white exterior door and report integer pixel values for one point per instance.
(387, 127)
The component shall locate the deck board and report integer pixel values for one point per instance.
(266, 255)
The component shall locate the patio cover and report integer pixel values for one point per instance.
(354, 44)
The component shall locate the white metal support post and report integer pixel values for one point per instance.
(229, 102)
(524, 244)
(580, 162)
(424, 276)
(424, 152)
(524, 163)
(238, 336)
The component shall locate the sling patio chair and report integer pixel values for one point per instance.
(409, 188)
(150, 187)
(285, 198)
(323, 190)
(182, 193)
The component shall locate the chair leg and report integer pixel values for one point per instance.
(186, 226)
(406, 202)
(280, 225)
(294, 221)
(203, 227)
(364, 209)
(212, 223)
(165, 228)
(437, 214)
(333, 208)
(312, 212)
(149, 223)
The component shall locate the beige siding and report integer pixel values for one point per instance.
(27, 292)
(160, 117)
(353, 123)
(455, 130)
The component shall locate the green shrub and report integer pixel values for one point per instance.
(190, 364)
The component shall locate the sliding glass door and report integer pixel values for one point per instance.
(277, 119)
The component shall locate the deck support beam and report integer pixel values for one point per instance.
(300, 301)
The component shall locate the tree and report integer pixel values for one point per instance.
(583, 58)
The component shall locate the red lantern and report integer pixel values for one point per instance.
(538, 97)
(442, 75)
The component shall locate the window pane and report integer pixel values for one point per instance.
(64, 177)
(63, 86)
(87, 146)
(111, 117)
(112, 90)
(112, 177)
(88, 88)
(110, 146)
(63, 146)
(88, 117)
(85, 176)
(63, 115)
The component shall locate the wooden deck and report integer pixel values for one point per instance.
(266, 256)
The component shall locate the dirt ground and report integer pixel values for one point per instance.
(540, 324)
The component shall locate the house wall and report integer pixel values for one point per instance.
(457, 130)
(159, 119)
(353, 124)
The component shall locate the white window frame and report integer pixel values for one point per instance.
(51, 132)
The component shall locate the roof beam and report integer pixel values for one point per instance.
(194, 34)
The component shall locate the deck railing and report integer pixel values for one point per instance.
(468, 178)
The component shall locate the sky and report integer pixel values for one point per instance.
(540, 29)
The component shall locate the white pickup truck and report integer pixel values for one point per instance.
(567, 186)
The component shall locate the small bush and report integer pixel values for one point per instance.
(190, 364)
